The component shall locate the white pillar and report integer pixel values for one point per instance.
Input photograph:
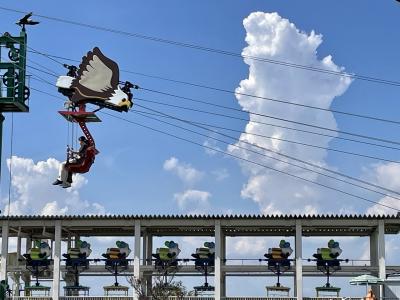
(28, 246)
(218, 261)
(148, 241)
(381, 254)
(57, 260)
(299, 262)
(136, 258)
(18, 249)
(4, 250)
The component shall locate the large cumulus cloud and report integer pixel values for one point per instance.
(33, 192)
(270, 36)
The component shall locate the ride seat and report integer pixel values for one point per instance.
(85, 164)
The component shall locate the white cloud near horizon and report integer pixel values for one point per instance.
(270, 36)
(193, 201)
(33, 192)
(188, 174)
(387, 175)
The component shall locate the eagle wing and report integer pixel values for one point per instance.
(98, 77)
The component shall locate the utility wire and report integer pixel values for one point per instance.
(248, 133)
(264, 98)
(43, 71)
(212, 50)
(274, 158)
(281, 154)
(253, 162)
(281, 119)
(368, 117)
(268, 124)
(256, 163)
(269, 137)
(273, 117)
(52, 73)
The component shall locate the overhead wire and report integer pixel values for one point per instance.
(279, 153)
(277, 159)
(278, 100)
(253, 162)
(272, 137)
(212, 50)
(270, 117)
(254, 134)
(217, 150)
(264, 123)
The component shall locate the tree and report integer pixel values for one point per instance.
(160, 289)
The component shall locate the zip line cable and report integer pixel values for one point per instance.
(42, 66)
(274, 118)
(283, 119)
(274, 158)
(242, 94)
(43, 71)
(285, 156)
(268, 124)
(269, 137)
(252, 162)
(244, 159)
(264, 98)
(247, 133)
(211, 50)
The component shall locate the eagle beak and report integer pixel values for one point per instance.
(128, 104)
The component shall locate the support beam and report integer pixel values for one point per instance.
(147, 254)
(18, 249)
(373, 251)
(218, 261)
(4, 250)
(136, 254)
(381, 254)
(57, 260)
(299, 262)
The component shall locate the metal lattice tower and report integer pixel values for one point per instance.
(14, 93)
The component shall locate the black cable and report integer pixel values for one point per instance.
(252, 162)
(43, 67)
(264, 123)
(269, 99)
(213, 50)
(240, 158)
(43, 71)
(272, 137)
(285, 156)
(274, 118)
(243, 94)
(277, 159)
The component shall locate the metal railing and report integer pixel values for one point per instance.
(188, 298)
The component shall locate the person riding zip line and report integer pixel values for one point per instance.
(75, 157)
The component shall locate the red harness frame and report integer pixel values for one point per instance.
(82, 117)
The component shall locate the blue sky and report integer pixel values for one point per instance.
(140, 171)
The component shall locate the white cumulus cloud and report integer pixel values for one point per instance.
(386, 175)
(188, 174)
(33, 192)
(270, 36)
(193, 201)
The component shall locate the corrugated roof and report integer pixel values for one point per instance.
(210, 217)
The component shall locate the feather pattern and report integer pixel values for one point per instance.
(98, 77)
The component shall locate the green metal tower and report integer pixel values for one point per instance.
(14, 93)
